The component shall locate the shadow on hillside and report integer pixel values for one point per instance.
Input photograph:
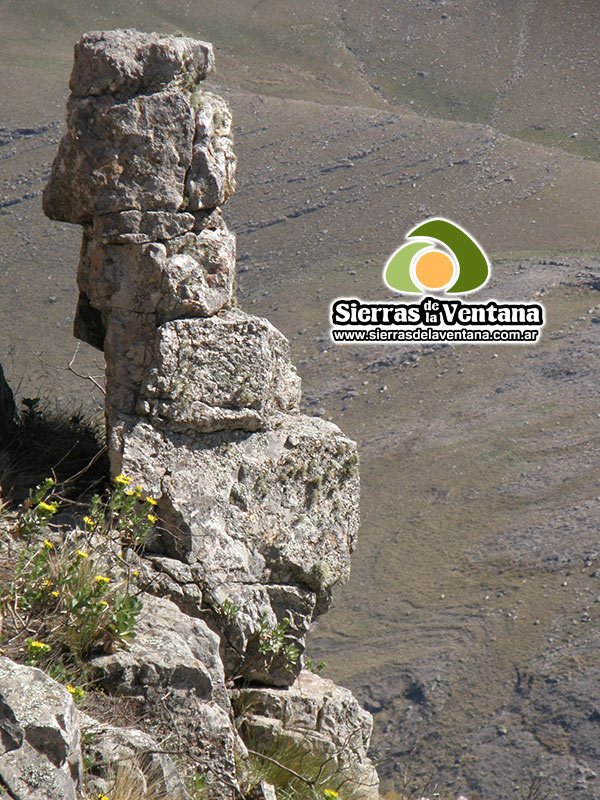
(47, 441)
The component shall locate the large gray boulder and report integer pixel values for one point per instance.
(257, 504)
(319, 724)
(211, 179)
(171, 650)
(121, 155)
(128, 290)
(40, 755)
(260, 511)
(141, 136)
(224, 372)
(191, 275)
(128, 62)
(282, 504)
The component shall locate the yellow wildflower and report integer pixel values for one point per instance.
(103, 603)
(47, 583)
(122, 480)
(331, 793)
(139, 490)
(89, 521)
(82, 554)
(76, 692)
(38, 647)
(102, 796)
(135, 573)
(152, 518)
(130, 492)
(50, 508)
(48, 544)
(54, 594)
(151, 501)
(101, 579)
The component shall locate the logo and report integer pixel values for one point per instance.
(441, 257)
(441, 262)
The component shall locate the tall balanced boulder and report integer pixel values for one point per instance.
(202, 400)
(256, 502)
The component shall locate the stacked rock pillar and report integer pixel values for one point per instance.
(202, 402)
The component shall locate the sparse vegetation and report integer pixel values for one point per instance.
(299, 771)
(70, 590)
(274, 642)
(136, 779)
(315, 667)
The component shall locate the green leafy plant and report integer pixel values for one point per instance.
(273, 641)
(228, 610)
(128, 512)
(315, 667)
(39, 509)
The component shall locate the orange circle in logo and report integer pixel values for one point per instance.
(434, 269)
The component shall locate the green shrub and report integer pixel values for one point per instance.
(273, 642)
(73, 587)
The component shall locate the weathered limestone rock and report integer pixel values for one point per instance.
(189, 275)
(281, 503)
(174, 580)
(128, 290)
(141, 136)
(257, 504)
(274, 508)
(177, 657)
(139, 227)
(119, 156)
(171, 650)
(124, 755)
(230, 371)
(211, 180)
(246, 615)
(40, 752)
(316, 717)
(199, 273)
(129, 62)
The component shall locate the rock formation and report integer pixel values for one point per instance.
(40, 753)
(258, 504)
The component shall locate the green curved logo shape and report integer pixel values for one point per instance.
(442, 238)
